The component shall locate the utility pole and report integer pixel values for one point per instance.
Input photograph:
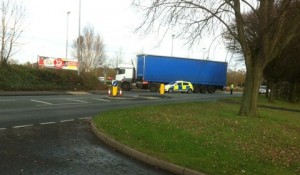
(172, 44)
(67, 38)
(79, 40)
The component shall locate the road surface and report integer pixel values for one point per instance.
(50, 134)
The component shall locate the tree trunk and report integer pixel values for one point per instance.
(272, 93)
(293, 91)
(250, 93)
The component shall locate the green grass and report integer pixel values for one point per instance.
(210, 137)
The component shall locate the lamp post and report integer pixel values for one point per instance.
(79, 40)
(68, 13)
(172, 44)
(204, 49)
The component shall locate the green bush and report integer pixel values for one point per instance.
(21, 78)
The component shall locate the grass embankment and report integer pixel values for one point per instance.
(22, 78)
(210, 137)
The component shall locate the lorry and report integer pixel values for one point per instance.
(151, 71)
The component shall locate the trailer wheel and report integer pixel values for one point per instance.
(125, 86)
(139, 86)
(196, 88)
(203, 89)
(211, 89)
(153, 87)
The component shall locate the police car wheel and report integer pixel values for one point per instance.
(170, 90)
(189, 91)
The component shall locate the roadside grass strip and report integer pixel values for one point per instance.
(210, 137)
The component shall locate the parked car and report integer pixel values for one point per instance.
(262, 90)
(179, 86)
(102, 79)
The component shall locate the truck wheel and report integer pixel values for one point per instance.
(189, 91)
(125, 86)
(153, 87)
(170, 90)
(203, 89)
(211, 89)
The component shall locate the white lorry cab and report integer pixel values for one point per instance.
(125, 75)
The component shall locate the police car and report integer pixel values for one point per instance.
(179, 86)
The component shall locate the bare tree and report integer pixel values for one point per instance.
(117, 59)
(193, 18)
(91, 50)
(11, 28)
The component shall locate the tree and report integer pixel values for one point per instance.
(236, 77)
(91, 47)
(117, 59)
(11, 28)
(193, 18)
(277, 70)
(291, 64)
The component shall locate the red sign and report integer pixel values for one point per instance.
(58, 63)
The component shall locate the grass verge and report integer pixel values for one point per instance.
(210, 137)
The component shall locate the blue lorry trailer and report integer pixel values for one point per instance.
(206, 76)
(152, 70)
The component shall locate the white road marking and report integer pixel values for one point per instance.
(47, 123)
(76, 100)
(85, 118)
(60, 104)
(1, 129)
(22, 126)
(100, 99)
(42, 102)
(70, 120)
(7, 100)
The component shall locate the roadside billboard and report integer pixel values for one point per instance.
(57, 63)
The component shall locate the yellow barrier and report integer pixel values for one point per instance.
(114, 91)
(162, 89)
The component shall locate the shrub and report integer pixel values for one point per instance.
(17, 77)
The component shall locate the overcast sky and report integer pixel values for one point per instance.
(115, 21)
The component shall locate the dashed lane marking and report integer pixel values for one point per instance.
(22, 126)
(84, 118)
(101, 99)
(7, 100)
(47, 123)
(76, 100)
(47, 103)
(69, 120)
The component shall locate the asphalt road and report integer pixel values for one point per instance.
(50, 134)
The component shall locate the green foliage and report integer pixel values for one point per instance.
(22, 78)
(199, 137)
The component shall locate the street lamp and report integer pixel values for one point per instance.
(68, 13)
(204, 49)
(79, 40)
(172, 44)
